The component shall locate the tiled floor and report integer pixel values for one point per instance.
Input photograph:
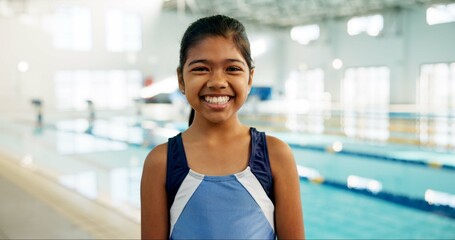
(24, 216)
(33, 206)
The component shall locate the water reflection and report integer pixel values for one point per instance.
(439, 198)
(437, 131)
(125, 185)
(84, 183)
(77, 143)
(366, 124)
(361, 183)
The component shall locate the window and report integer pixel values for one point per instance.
(365, 97)
(437, 88)
(372, 25)
(305, 94)
(306, 84)
(72, 28)
(366, 88)
(112, 89)
(123, 31)
(441, 14)
(436, 98)
(305, 34)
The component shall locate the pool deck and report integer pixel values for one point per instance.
(50, 211)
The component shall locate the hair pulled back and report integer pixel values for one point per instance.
(217, 25)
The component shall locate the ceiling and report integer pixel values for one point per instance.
(288, 13)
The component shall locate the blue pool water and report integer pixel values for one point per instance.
(398, 210)
(334, 213)
(105, 165)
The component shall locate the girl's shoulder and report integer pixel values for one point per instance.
(156, 159)
(280, 154)
(277, 146)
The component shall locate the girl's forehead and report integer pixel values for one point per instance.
(213, 42)
(214, 46)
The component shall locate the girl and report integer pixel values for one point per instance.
(219, 179)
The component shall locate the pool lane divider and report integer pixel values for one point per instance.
(418, 162)
(415, 203)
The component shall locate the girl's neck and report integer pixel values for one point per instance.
(203, 129)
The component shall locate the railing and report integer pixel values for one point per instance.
(425, 130)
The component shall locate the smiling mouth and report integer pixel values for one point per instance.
(217, 99)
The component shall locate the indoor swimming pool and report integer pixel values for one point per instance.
(350, 188)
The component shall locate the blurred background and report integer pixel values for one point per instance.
(362, 90)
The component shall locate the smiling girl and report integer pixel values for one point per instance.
(219, 179)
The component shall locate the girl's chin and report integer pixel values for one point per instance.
(217, 117)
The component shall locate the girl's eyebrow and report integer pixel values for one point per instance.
(197, 61)
(208, 61)
(236, 60)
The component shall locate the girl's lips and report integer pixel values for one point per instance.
(217, 102)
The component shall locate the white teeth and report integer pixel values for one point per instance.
(216, 100)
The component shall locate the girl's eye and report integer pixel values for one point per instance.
(233, 69)
(199, 69)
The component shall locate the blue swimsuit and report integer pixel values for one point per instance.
(237, 206)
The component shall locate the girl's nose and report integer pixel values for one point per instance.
(217, 80)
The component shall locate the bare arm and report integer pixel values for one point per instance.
(154, 209)
(288, 206)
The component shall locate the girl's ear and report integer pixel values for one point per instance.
(250, 80)
(180, 79)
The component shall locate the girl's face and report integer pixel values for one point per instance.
(215, 79)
